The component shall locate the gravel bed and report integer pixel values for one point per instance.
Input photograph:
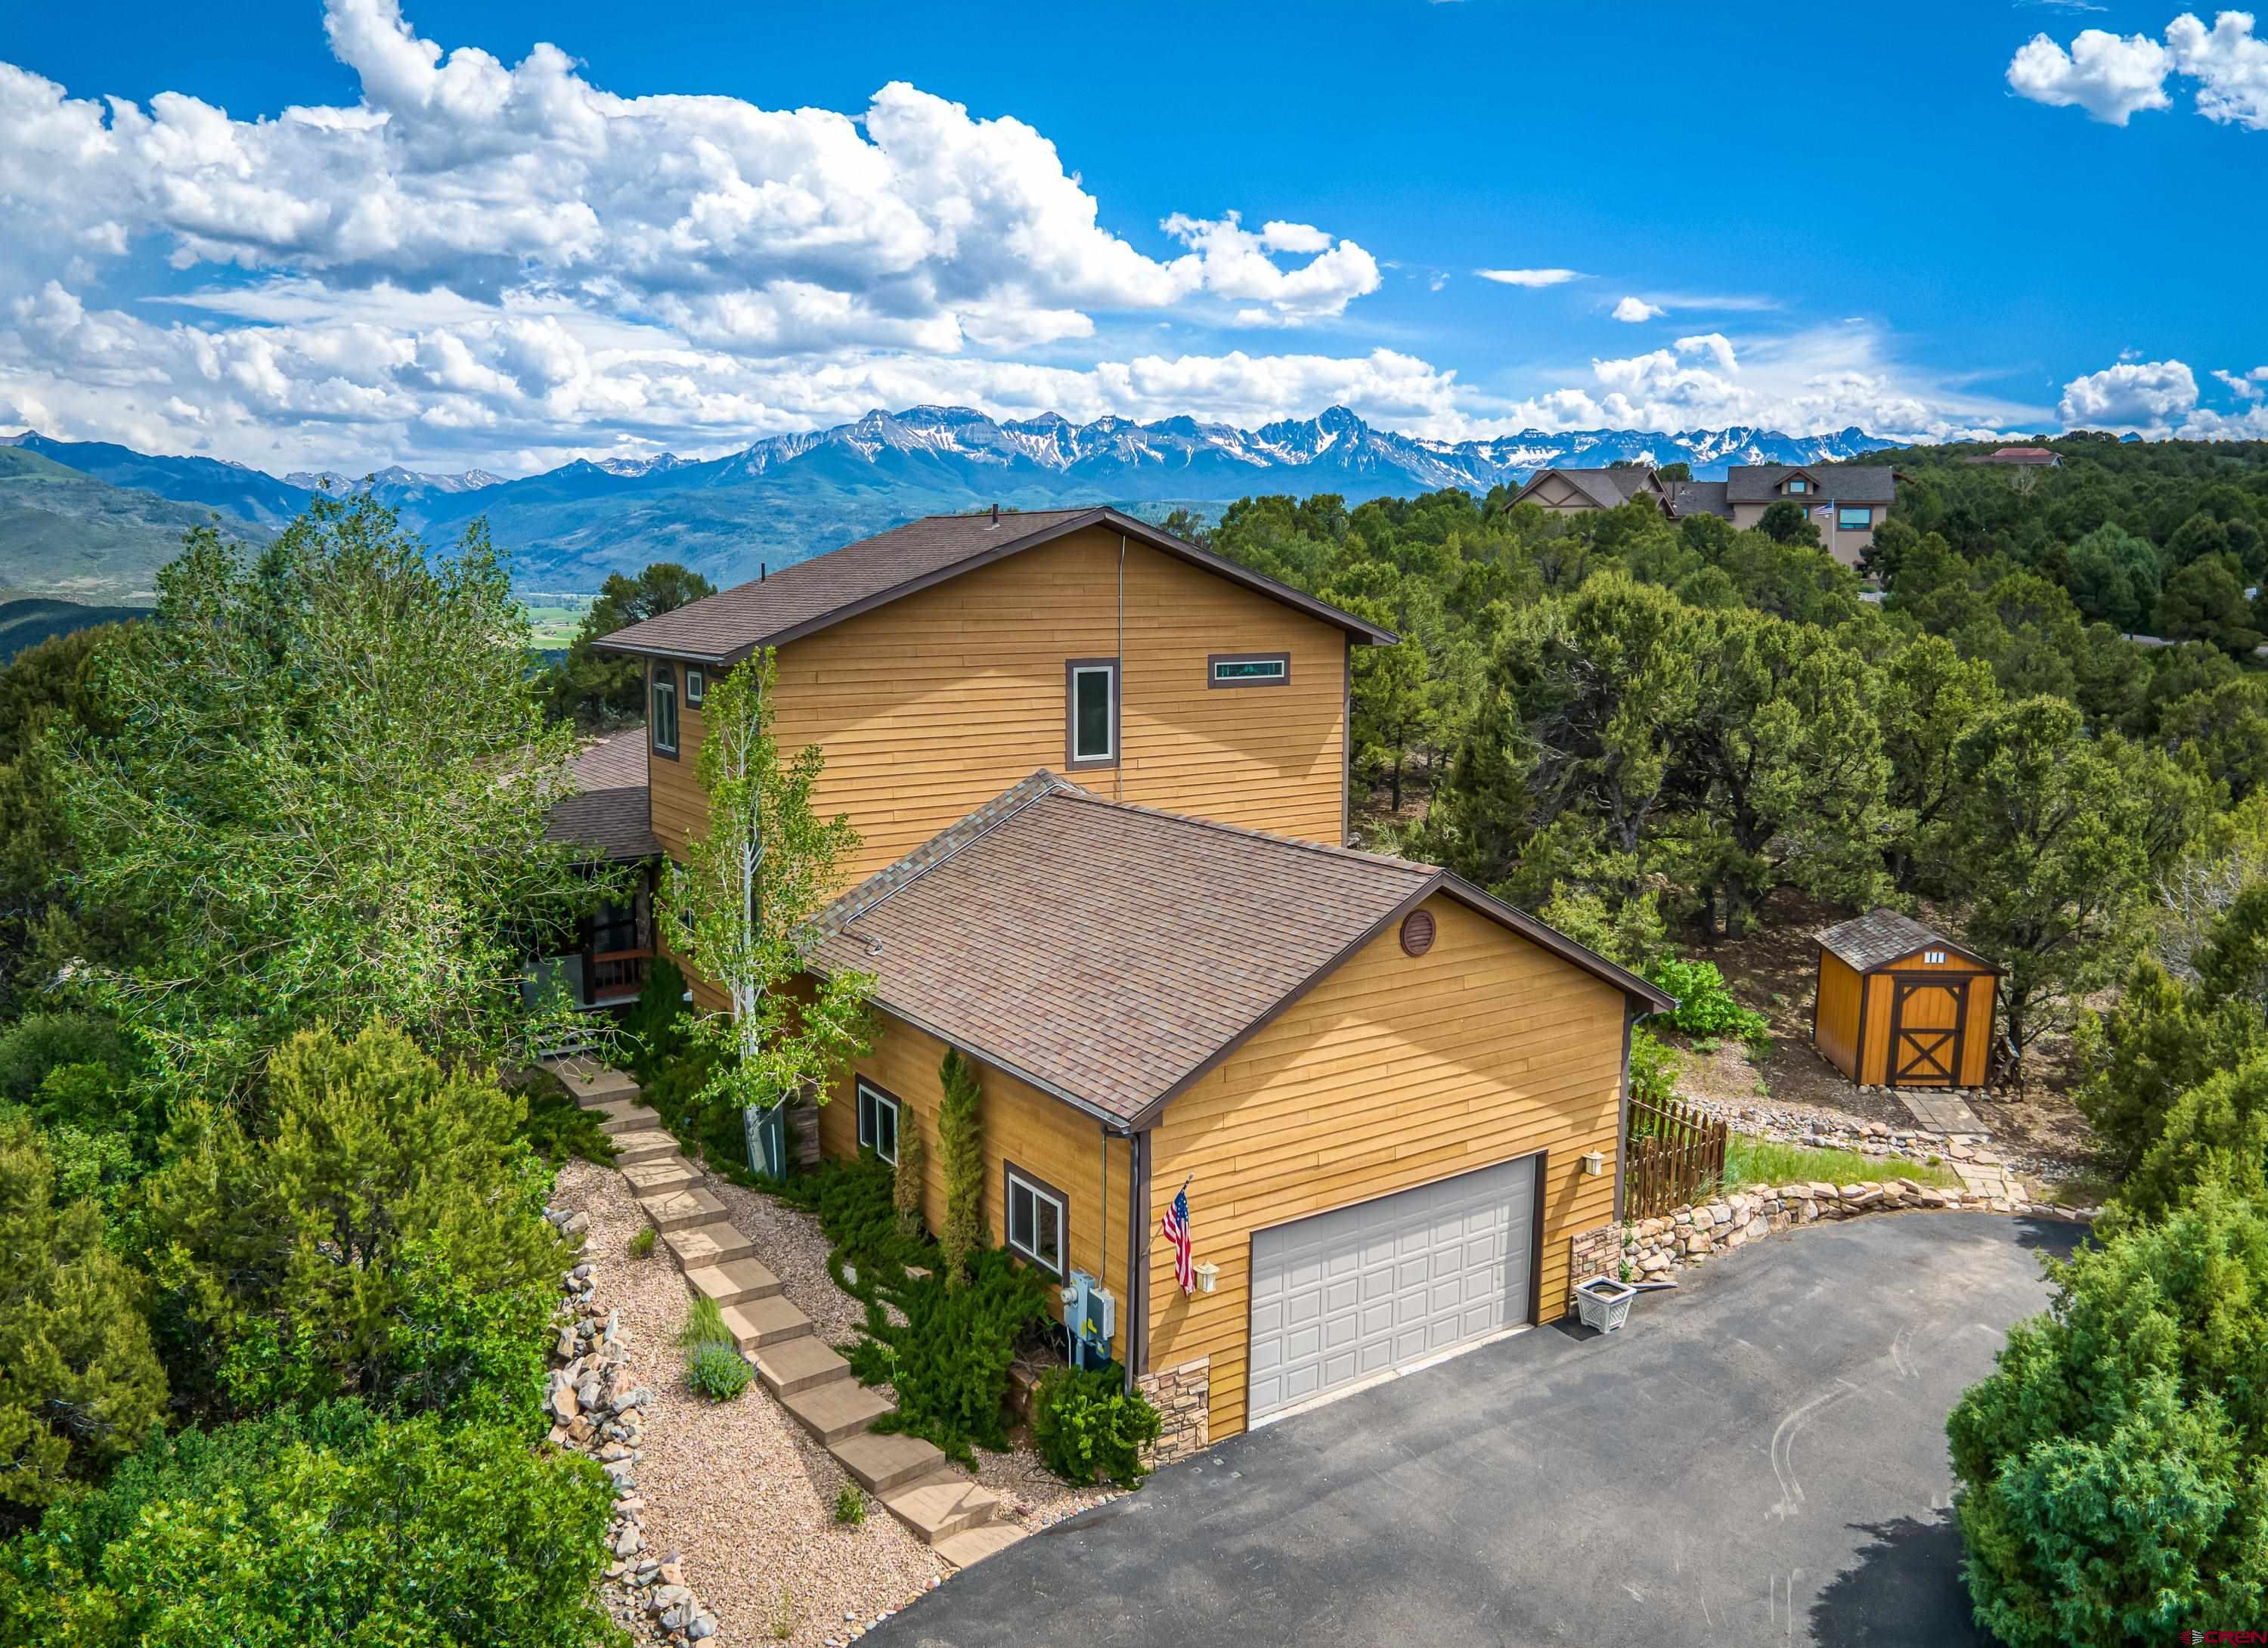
(739, 1489)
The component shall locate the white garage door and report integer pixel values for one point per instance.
(1360, 1291)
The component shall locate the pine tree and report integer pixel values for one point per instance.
(80, 1385)
(906, 1181)
(960, 1150)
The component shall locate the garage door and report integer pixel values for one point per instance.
(1361, 1290)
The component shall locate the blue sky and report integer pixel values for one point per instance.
(1920, 223)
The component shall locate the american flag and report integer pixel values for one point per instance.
(1174, 1226)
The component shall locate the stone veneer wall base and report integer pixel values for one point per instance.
(1182, 1396)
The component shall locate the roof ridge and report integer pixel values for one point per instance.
(1079, 793)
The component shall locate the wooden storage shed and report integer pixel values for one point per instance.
(1899, 1005)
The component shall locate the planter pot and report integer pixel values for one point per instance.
(1604, 1304)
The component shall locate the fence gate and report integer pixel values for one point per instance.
(1673, 1155)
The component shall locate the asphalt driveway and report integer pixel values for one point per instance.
(1758, 1459)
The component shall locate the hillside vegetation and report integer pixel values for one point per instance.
(1642, 727)
(65, 532)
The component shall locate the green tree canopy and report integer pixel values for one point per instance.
(80, 1383)
(378, 1233)
(319, 791)
(600, 690)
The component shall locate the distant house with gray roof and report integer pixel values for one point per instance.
(1845, 501)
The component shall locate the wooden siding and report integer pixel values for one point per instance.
(931, 706)
(1392, 1072)
(1976, 1040)
(680, 810)
(1044, 1136)
(1835, 1022)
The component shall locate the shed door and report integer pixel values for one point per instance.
(1925, 1030)
(1349, 1294)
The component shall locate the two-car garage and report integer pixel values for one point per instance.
(1344, 1297)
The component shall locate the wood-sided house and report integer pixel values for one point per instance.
(1101, 778)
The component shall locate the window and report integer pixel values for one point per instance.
(1853, 518)
(1797, 484)
(877, 1122)
(1935, 958)
(665, 710)
(1248, 669)
(1036, 1221)
(695, 684)
(1091, 712)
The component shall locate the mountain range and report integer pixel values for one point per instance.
(787, 497)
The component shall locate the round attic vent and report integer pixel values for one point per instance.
(1418, 933)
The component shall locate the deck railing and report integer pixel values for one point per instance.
(612, 973)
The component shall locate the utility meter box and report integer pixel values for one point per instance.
(1090, 1320)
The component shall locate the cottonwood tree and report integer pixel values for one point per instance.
(316, 784)
(740, 907)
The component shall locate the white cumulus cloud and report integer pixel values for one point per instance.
(2147, 395)
(2115, 76)
(1634, 310)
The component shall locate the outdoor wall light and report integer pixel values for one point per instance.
(1595, 1163)
(1208, 1273)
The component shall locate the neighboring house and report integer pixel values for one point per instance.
(1395, 1101)
(1575, 491)
(604, 962)
(1846, 501)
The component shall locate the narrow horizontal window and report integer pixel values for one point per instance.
(695, 685)
(665, 709)
(1798, 486)
(1935, 958)
(1036, 1222)
(1249, 669)
(1850, 519)
(877, 1122)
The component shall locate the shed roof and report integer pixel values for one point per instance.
(1853, 483)
(606, 810)
(1111, 954)
(771, 611)
(1883, 936)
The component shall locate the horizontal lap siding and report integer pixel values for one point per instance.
(931, 706)
(1394, 1072)
(1044, 1136)
(1835, 1017)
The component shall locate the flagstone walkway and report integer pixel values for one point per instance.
(939, 1502)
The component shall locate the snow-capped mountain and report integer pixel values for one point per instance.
(788, 497)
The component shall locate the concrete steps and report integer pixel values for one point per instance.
(684, 1210)
(974, 1545)
(704, 1244)
(912, 1478)
(657, 1175)
(762, 1322)
(884, 1464)
(793, 1366)
(941, 1505)
(643, 1145)
(735, 1282)
(840, 1409)
(625, 1115)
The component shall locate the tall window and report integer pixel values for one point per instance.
(695, 684)
(1853, 519)
(877, 1122)
(665, 709)
(1091, 731)
(1036, 1221)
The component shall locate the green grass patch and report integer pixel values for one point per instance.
(1750, 1161)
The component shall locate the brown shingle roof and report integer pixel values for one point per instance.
(726, 626)
(1883, 936)
(607, 810)
(1110, 954)
(1608, 488)
(1846, 483)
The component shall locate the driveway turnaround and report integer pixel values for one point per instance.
(1758, 1459)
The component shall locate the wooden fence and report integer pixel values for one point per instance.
(1674, 1154)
